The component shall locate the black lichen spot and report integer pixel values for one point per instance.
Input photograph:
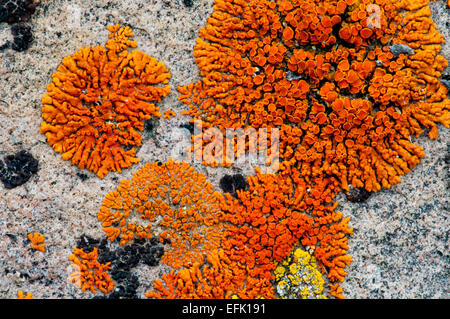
(22, 36)
(188, 3)
(357, 195)
(239, 182)
(87, 243)
(150, 125)
(123, 260)
(189, 126)
(82, 176)
(226, 183)
(16, 170)
(127, 287)
(233, 183)
(13, 11)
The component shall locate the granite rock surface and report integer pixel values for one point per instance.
(401, 235)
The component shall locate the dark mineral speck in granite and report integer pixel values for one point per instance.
(16, 170)
(82, 176)
(150, 127)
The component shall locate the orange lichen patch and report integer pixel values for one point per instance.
(260, 228)
(22, 295)
(214, 276)
(345, 106)
(275, 64)
(89, 273)
(169, 113)
(172, 200)
(336, 291)
(37, 241)
(273, 215)
(98, 101)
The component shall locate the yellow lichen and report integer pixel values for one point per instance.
(298, 277)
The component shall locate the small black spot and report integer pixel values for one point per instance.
(24, 275)
(239, 182)
(358, 195)
(12, 236)
(16, 170)
(82, 176)
(188, 3)
(233, 183)
(5, 45)
(150, 126)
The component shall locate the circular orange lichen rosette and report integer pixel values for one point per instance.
(171, 200)
(98, 101)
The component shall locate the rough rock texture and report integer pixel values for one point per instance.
(400, 242)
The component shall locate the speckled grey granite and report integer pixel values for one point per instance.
(400, 240)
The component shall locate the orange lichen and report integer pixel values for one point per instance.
(169, 113)
(280, 64)
(336, 291)
(37, 241)
(98, 101)
(323, 73)
(89, 273)
(22, 295)
(214, 276)
(261, 227)
(172, 200)
(270, 218)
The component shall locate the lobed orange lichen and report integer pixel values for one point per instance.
(271, 217)
(22, 295)
(260, 227)
(323, 73)
(171, 199)
(212, 277)
(345, 105)
(98, 101)
(169, 113)
(37, 241)
(89, 273)
(336, 291)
